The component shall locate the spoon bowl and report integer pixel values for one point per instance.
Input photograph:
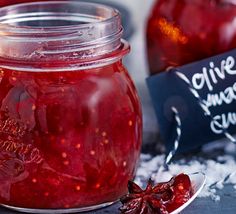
(198, 181)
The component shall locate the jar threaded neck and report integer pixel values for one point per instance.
(60, 30)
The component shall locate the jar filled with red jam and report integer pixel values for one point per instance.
(70, 117)
(184, 31)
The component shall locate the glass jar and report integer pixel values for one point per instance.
(70, 117)
(180, 32)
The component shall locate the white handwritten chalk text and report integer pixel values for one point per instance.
(211, 76)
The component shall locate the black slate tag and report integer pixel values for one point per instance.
(214, 79)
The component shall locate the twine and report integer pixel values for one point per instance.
(169, 157)
(178, 132)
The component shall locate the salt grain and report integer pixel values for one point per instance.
(220, 171)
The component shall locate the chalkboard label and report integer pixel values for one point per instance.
(214, 79)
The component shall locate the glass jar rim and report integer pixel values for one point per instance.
(84, 32)
(5, 20)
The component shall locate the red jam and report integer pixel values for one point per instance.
(180, 32)
(68, 139)
(182, 191)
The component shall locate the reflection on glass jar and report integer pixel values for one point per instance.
(180, 32)
(70, 117)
